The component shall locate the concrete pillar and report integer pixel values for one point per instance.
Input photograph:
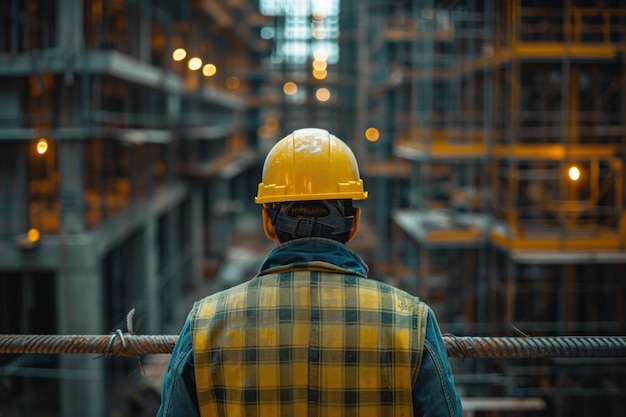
(69, 25)
(197, 234)
(13, 189)
(382, 217)
(140, 31)
(174, 253)
(80, 311)
(151, 276)
(71, 186)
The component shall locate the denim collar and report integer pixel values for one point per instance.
(304, 252)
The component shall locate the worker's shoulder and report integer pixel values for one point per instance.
(222, 295)
(386, 288)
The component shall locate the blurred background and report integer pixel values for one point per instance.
(490, 134)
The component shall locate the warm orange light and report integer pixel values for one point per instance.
(290, 88)
(319, 65)
(322, 94)
(194, 63)
(42, 146)
(574, 173)
(263, 132)
(319, 75)
(209, 70)
(232, 83)
(272, 123)
(33, 235)
(179, 54)
(372, 134)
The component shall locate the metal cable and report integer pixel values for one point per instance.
(130, 345)
(117, 344)
(536, 347)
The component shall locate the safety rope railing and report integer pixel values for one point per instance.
(131, 345)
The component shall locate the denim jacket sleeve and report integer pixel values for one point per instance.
(434, 393)
(178, 396)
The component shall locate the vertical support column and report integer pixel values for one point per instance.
(221, 220)
(512, 200)
(468, 274)
(14, 34)
(71, 186)
(411, 262)
(574, 104)
(151, 276)
(382, 217)
(145, 154)
(69, 24)
(422, 287)
(172, 270)
(494, 289)
(197, 227)
(140, 30)
(511, 278)
(362, 78)
(80, 311)
(13, 190)
(566, 112)
(421, 100)
(568, 305)
(482, 292)
(620, 296)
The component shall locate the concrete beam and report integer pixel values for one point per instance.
(88, 247)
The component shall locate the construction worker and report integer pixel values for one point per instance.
(310, 334)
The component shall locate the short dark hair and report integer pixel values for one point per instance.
(316, 209)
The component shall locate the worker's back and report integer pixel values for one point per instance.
(308, 343)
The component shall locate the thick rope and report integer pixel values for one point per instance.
(130, 345)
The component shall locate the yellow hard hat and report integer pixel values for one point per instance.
(310, 164)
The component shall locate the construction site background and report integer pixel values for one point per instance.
(491, 136)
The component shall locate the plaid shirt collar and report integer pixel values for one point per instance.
(313, 253)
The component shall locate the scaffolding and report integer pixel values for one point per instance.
(510, 116)
(121, 168)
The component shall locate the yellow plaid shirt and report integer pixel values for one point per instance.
(312, 342)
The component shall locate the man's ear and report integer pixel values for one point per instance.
(268, 227)
(355, 224)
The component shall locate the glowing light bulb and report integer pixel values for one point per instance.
(322, 94)
(290, 88)
(574, 173)
(42, 146)
(209, 70)
(33, 235)
(179, 54)
(194, 63)
(319, 65)
(372, 134)
(319, 75)
(232, 83)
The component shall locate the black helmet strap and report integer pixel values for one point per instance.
(304, 226)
